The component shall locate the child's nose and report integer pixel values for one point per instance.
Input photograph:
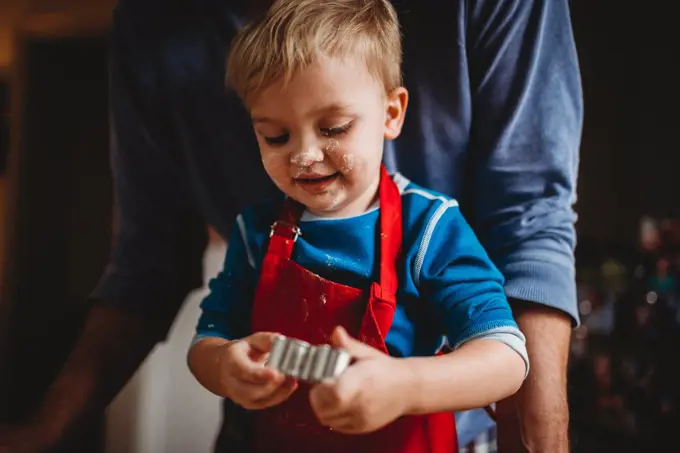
(307, 156)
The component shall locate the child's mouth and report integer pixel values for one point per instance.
(316, 183)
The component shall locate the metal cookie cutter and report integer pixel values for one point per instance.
(300, 360)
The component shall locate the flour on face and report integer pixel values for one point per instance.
(306, 158)
(332, 146)
(347, 163)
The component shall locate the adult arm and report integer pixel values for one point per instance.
(527, 117)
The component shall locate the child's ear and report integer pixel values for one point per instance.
(395, 111)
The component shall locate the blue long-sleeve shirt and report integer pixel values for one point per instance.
(448, 286)
(494, 121)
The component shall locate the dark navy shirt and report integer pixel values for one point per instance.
(494, 120)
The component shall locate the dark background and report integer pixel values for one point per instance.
(58, 187)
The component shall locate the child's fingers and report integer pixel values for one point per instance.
(256, 392)
(262, 341)
(253, 396)
(279, 395)
(358, 350)
(327, 402)
(257, 374)
(244, 369)
(344, 424)
(330, 412)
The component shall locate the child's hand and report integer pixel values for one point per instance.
(244, 377)
(370, 394)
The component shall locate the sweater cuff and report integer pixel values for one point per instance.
(543, 282)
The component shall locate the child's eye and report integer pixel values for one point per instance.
(333, 131)
(278, 140)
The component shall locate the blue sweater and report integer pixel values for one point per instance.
(494, 120)
(448, 286)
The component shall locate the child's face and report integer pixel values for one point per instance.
(321, 137)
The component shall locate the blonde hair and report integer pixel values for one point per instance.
(293, 34)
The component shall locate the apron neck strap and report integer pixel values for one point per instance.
(390, 232)
(285, 231)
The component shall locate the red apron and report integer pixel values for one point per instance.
(298, 303)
